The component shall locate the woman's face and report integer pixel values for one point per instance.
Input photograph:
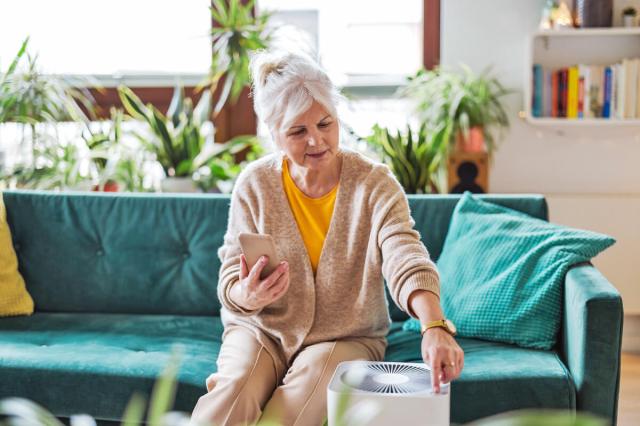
(312, 140)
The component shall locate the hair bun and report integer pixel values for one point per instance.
(263, 64)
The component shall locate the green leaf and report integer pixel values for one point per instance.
(134, 413)
(164, 390)
(175, 107)
(132, 103)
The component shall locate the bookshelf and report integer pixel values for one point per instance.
(561, 48)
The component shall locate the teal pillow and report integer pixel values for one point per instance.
(502, 273)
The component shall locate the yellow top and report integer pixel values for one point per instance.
(313, 215)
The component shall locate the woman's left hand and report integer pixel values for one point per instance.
(442, 353)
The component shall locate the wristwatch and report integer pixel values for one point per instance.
(444, 323)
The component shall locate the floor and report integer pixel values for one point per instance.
(629, 403)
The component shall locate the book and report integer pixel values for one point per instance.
(538, 81)
(631, 88)
(554, 94)
(595, 91)
(606, 104)
(637, 92)
(562, 93)
(546, 93)
(581, 82)
(621, 85)
(572, 93)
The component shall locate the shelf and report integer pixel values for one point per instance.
(554, 49)
(585, 32)
(549, 121)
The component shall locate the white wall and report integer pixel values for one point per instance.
(590, 175)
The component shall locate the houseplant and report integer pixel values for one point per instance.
(629, 16)
(469, 106)
(236, 32)
(414, 158)
(182, 140)
(37, 102)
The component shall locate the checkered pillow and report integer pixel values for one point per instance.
(502, 273)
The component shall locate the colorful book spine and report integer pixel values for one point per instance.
(581, 82)
(562, 94)
(554, 93)
(572, 93)
(538, 81)
(606, 104)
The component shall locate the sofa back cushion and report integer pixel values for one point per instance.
(119, 253)
(156, 253)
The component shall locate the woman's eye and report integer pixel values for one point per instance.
(323, 125)
(297, 132)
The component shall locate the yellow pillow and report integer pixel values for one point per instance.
(14, 298)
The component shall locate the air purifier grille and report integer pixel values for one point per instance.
(388, 378)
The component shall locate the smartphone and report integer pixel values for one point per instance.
(256, 245)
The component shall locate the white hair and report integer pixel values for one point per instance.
(285, 85)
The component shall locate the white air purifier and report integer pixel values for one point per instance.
(386, 393)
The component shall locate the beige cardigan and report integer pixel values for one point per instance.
(371, 236)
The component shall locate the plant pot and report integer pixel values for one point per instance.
(629, 21)
(474, 143)
(178, 184)
(109, 186)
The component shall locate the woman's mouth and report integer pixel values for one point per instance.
(318, 155)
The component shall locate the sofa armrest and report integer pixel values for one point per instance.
(591, 340)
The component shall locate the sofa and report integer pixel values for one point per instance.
(119, 279)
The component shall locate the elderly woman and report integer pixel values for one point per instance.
(341, 224)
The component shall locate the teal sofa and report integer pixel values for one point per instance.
(118, 279)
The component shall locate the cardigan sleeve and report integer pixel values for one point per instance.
(240, 220)
(406, 264)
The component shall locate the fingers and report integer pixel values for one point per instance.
(254, 275)
(442, 370)
(436, 371)
(271, 280)
(244, 269)
(281, 288)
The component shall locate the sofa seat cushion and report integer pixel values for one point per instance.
(497, 377)
(92, 363)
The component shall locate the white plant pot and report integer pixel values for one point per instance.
(178, 184)
(629, 21)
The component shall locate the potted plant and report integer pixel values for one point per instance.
(414, 158)
(36, 101)
(237, 32)
(179, 139)
(629, 16)
(469, 106)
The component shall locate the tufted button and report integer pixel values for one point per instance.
(100, 252)
(186, 254)
(16, 246)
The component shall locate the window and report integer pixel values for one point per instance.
(368, 48)
(154, 39)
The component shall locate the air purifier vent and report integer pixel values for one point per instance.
(388, 378)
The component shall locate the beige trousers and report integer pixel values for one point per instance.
(252, 385)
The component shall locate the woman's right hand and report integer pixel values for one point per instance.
(251, 292)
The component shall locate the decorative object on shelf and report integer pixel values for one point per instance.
(629, 16)
(561, 17)
(593, 13)
(468, 171)
(414, 158)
